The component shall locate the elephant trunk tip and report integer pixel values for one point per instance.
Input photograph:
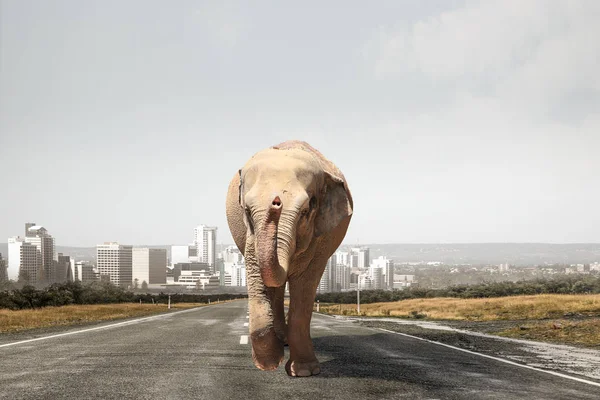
(276, 203)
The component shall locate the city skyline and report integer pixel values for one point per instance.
(467, 131)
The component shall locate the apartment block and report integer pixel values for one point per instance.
(115, 263)
(24, 260)
(205, 240)
(149, 265)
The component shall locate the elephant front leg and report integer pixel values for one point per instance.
(267, 323)
(303, 361)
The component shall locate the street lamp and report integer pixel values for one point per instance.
(358, 296)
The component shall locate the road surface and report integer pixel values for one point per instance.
(203, 354)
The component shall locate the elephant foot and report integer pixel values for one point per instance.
(296, 368)
(267, 349)
(282, 337)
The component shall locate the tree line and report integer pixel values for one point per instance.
(566, 284)
(61, 294)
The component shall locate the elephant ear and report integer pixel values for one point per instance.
(335, 204)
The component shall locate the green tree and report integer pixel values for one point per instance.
(144, 285)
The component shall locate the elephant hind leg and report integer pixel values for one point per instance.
(279, 322)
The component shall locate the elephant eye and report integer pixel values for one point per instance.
(313, 203)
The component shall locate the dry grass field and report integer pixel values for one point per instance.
(14, 321)
(489, 309)
(568, 319)
(580, 332)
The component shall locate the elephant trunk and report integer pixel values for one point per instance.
(273, 270)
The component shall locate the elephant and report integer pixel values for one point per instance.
(288, 210)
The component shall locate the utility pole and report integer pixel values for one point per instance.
(358, 296)
(169, 301)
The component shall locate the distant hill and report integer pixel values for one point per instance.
(489, 253)
(469, 253)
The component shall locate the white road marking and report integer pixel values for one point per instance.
(496, 358)
(244, 339)
(247, 316)
(135, 321)
(245, 324)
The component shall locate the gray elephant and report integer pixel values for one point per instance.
(288, 210)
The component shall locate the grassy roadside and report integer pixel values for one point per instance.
(568, 319)
(489, 309)
(21, 320)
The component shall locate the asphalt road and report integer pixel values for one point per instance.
(203, 354)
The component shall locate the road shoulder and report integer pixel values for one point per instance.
(572, 360)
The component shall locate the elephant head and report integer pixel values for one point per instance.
(289, 199)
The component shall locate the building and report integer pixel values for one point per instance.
(148, 265)
(40, 238)
(20, 259)
(343, 257)
(183, 254)
(376, 278)
(89, 273)
(219, 269)
(205, 240)
(3, 274)
(404, 281)
(23, 260)
(342, 277)
(238, 275)
(232, 255)
(387, 267)
(62, 269)
(328, 279)
(115, 263)
(84, 272)
(364, 259)
(365, 282)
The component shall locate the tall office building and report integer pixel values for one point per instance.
(387, 267)
(23, 260)
(205, 240)
(376, 278)
(328, 279)
(343, 257)
(115, 263)
(149, 265)
(38, 236)
(364, 258)
(342, 277)
(3, 275)
(238, 275)
(63, 271)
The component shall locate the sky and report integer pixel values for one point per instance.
(453, 121)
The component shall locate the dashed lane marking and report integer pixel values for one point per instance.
(244, 339)
(245, 324)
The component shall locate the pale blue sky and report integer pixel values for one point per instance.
(453, 121)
